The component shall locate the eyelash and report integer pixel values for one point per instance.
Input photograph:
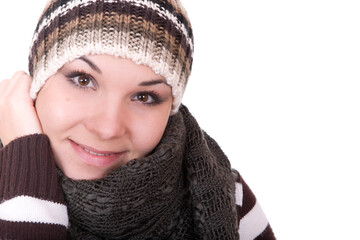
(154, 95)
(74, 74)
(70, 77)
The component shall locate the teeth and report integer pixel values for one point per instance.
(96, 154)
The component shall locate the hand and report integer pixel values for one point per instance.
(18, 115)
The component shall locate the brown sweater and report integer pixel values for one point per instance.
(32, 203)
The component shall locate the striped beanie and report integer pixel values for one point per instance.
(155, 33)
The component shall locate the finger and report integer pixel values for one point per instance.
(22, 77)
(19, 74)
(16, 77)
(5, 88)
(20, 85)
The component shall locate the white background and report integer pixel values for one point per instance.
(277, 84)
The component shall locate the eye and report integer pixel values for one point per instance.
(144, 97)
(81, 80)
(148, 98)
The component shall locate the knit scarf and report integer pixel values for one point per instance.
(183, 190)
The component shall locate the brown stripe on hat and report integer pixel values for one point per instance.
(173, 6)
(125, 8)
(83, 27)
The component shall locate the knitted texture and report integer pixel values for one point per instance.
(155, 33)
(184, 190)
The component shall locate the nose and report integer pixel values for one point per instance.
(107, 120)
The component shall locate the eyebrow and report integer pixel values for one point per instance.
(91, 64)
(152, 82)
(143, 84)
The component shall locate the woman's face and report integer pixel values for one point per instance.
(100, 111)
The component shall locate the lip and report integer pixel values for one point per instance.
(98, 158)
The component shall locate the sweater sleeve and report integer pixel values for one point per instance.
(32, 204)
(252, 221)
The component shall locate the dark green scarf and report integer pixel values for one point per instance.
(183, 190)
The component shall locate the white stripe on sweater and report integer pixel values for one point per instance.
(62, 10)
(239, 194)
(30, 209)
(253, 223)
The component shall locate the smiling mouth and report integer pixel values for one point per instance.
(94, 157)
(94, 153)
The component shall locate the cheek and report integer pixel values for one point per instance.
(54, 112)
(148, 133)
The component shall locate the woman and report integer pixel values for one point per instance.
(97, 143)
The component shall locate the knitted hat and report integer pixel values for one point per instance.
(155, 33)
